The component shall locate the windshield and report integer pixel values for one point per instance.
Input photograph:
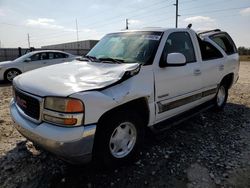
(22, 58)
(129, 47)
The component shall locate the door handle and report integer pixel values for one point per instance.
(221, 67)
(197, 72)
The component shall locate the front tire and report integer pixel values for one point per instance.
(10, 74)
(220, 99)
(118, 139)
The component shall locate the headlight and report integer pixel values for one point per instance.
(63, 111)
(68, 105)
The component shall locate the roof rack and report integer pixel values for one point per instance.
(208, 31)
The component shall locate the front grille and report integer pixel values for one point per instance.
(29, 105)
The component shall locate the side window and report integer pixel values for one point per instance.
(35, 57)
(225, 42)
(60, 55)
(43, 56)
(179, 42)
(50, 55)
(208, 51)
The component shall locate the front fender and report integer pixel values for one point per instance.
(98, 102)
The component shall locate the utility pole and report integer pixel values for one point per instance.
(176, 14)
(0, 44)
(126, 24)
(28, 40)
(77, 37)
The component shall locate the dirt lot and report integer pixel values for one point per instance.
(210, 150)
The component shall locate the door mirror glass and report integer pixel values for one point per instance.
(27, 60)
(176, 59)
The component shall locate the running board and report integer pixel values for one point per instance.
(166, 124)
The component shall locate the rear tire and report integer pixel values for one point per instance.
(221, 97)
(10, 74)
(118, 139)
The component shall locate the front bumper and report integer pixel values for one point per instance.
(73, 144)
(2, 70)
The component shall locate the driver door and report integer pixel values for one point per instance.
(177, 87)
(37, 60)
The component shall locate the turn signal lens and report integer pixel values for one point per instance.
(70, 121)
(74, 105)
(62, 121)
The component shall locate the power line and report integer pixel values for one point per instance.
(96, 23)
(218, 10)
(221, 10)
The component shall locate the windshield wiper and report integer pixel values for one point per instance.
(119, 61)
(91, 58)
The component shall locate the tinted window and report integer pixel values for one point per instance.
(179, 42)
(51, 55)
(43, 56)
(225, 42)
(208, 51)
(60, 55)
(35, 57)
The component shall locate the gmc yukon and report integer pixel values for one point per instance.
(100, 106)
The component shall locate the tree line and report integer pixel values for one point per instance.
(243, 50)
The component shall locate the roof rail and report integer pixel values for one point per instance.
(208, 31)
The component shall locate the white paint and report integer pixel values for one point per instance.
(76, 79)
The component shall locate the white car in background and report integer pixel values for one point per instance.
(33, 60)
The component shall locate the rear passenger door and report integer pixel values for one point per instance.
(60, 57)
(56, 57)
(212, 65)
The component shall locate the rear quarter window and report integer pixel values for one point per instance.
(60, 55)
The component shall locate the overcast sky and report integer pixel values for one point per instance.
(54, 21)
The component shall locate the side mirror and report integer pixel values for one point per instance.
(175, 59)
(27, 60)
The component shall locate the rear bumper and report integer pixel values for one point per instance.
(71, 144)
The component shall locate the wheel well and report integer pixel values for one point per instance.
(138, 105)
(11, 69)
(228, 80)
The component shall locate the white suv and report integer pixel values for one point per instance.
(128, 82)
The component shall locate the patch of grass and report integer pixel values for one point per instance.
(245, 58)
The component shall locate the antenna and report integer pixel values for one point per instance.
(189, 26)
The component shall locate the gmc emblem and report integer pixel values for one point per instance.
(21, 102)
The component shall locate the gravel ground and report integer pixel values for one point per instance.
(209, 150)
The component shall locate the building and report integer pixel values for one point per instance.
(80, 45)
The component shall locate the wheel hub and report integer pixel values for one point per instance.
(11, 75)
(123, 140)
(221, 95)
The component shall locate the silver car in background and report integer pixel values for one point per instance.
(33, 60)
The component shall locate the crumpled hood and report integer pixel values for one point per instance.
(5, 62)
(67, 78)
